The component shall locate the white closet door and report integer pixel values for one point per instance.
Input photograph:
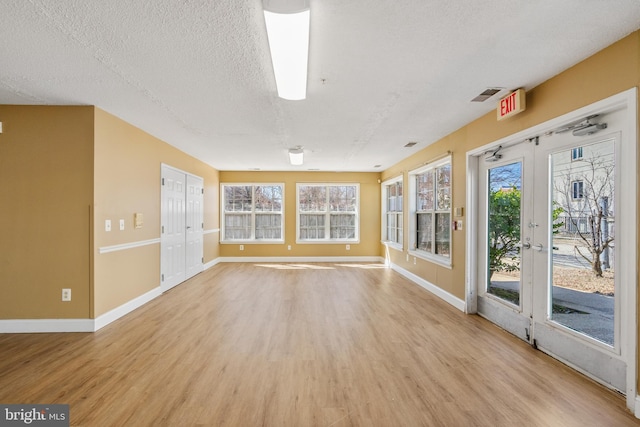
(173, 251)
(194, 228)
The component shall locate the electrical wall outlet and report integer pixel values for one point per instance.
(348, 247)
(66, 294)
(242, 247)
(121, 224)
(107, 225)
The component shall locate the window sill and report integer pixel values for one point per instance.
(392, 245)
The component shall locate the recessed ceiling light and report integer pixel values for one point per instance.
(287, 25)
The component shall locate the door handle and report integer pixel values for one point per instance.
(188, 227)
(538, 247)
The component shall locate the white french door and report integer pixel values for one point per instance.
(181, 228)
(556, 248)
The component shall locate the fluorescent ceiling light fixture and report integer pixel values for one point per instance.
(289, 44)
(296, 156)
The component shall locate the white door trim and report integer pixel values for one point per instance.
(628, 221)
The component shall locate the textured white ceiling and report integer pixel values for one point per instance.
(197, 73)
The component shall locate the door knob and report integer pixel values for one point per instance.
(525, 245)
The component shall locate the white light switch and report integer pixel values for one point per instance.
(121, 224)
(107, 225)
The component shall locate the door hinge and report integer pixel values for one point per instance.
(203, 260)
(162, 181)
(163, 229)
(202, 190)
(162, 275)
(203, 225)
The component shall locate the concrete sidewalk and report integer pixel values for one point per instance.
(593, 315)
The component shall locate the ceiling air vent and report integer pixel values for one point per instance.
(486, 94)
(410, 144)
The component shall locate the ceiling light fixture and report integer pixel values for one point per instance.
(296, 156)
(287, 24)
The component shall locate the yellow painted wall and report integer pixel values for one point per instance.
(46, 171)
(127, 181)
(609, 72)
(369, 215)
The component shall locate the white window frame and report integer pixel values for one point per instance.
(253, 213)
(398, 214)
(412, 232)
(577, 189)
(576, 154)
(327, 213)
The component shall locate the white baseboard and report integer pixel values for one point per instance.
(440, 293)
(126, 308)
(30, 326)
(211, 263)
(636, 409)
(303, 259)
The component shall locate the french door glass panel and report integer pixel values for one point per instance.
(582, 284)
(504, 217)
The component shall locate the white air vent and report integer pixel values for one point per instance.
(410, 144)
(486, 94)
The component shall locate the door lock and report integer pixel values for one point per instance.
(525, 245)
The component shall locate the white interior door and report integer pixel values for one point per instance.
(194, 226)
(556, 242)
(182, 227)
(173, 228)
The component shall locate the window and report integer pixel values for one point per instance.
(392, 217)
(577, 189)
(328, 212)
(576, 154)
(252, 212)
(431, 211)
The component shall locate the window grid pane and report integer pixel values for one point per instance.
(425, 232)
(312, 198)
(237, 226)
(237, 199)
(443, 245)
(342, 226)
(268, 226)
(443, 180)
(312, 226)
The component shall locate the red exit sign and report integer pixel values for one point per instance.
(511, 104)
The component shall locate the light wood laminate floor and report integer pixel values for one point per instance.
(301, 345)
